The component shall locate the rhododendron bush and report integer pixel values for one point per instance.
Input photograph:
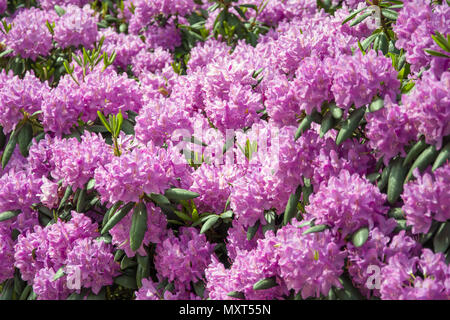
(228, 149)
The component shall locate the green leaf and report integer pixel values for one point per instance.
(306, 223)
(183, 216)
(104, 122)
(360, 237)
(316, 228)
(59, 274)
(6, 215)
(395, 181)
(6, 52)
(106, 238)
(415, 151)
(118, 124)
(372, 177)
(328, 123)
(353, 14)
(408, 87)
(441, 240)
(25, 293)
(127, 263)
(442, 157)
(143, 269)
(384, 43)
(360, 19)
(227, 214)
(336, 112)
(390, 14)
(291, 207)
(9, 149)
(127, 127)
(436, 53)
(366, 43)
(60, 11)
(236, 294)
(376, 105)
(423, 160)
(266, 283)
(115, 219)
(348, 292)
(7, 290)
(138, 226)
(209, 223)
(159, 199)
(126, 281)
(180, 194)
(304, 125)
(2, 138)
(270, 216)
(81, 200)
(350, 125)
(251, 232)
(119, 255)
(199, 288)
(396, 213)
(90, 184)
(66, 196)
(111, 211)
(441, 41)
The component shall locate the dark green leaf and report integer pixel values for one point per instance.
(24, 138)
(143, 269)
(199, 288)
(138, 226)
(390, 14)
(396, 213)
(304, 125)
(353, 14)
(66, 196)
(266, 283)
(81, 200)
(251, 232)
(9, 149)
(25, 293)
(415, 151)
(442, 157)
(115, 219)
(423, 160)
(126, 281)
(395, 182)
(236, 294)
(180, 194)
(350, 125)
(9, 215)
(127, 263)
(366, 43)
(441, 240)
(291, 207)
